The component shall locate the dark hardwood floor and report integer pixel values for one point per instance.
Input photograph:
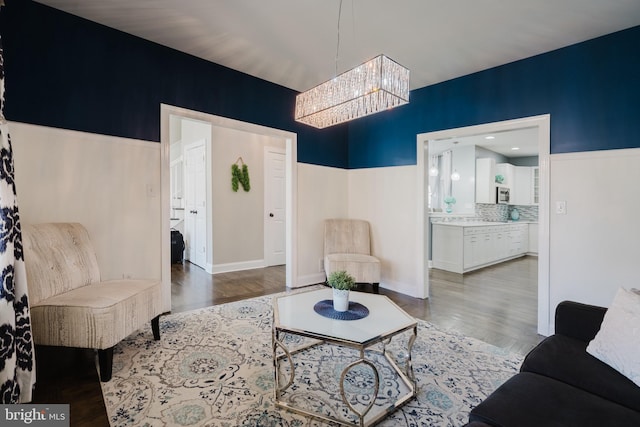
(192, 287)
(496, 304)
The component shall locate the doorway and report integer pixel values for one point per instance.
(190, 148)
(289, 145)
(542, 123)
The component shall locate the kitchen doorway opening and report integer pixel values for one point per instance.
(542, 125)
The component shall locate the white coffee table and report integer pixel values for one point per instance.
(294, 315)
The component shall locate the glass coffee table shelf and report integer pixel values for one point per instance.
(342, 370)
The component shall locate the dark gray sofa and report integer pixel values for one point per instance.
(560, 384)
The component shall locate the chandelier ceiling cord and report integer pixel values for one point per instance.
(338, 37)
(374, 86)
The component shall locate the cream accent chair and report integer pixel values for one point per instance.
(347, 246)
(71, 306)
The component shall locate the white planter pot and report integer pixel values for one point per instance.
(340, 300)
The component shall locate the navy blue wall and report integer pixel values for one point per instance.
(591, 90)
(63, 71)
(66, 72)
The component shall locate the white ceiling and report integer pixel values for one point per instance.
(293, 42)
(522, 142)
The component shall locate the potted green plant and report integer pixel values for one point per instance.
(341, 282)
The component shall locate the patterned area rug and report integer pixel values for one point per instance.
(214, 367)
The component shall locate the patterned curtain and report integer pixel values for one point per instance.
(17, 363)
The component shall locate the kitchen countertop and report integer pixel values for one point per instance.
(480, 223)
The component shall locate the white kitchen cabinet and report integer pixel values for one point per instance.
(471, 249)
(501, 242)
(518, 239)
(507, 170)
(485, 180)
(461, 248)
(447, 253)
(535, 184)
(486, 242)
(478, 246)
(526, 188)
(522, 190)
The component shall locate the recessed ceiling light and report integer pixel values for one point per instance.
(515, 148)
(490, 137)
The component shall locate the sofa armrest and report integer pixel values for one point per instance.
(579, 321)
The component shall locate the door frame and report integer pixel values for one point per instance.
(543, 123)
(291, 143)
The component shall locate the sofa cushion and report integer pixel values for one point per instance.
(96, 316)
(531, 400)
(618, 342)
(364, 268)
(565, 359)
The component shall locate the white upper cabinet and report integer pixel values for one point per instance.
(522, 191)
(522, 181)
(507, 170)
(485, 180)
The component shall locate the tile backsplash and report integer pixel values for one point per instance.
(499, 212)
(493, 212)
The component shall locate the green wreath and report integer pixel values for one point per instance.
(240, 177)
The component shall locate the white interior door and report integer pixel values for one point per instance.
(195, 203)
(274, 203)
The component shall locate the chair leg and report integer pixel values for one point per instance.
(376, 288)
(105, 361)
(155, 327)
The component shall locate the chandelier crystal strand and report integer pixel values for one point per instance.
(376, 85)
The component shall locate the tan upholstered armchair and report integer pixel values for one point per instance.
(71, 306)
(347, 246)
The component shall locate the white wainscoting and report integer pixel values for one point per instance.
(322, 193)
(594, 246)
(109, 184)
(387, 198)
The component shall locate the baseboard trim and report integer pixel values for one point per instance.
(310, 279)
(403, 288)
(237, 266)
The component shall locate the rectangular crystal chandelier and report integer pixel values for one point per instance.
(377, 85)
